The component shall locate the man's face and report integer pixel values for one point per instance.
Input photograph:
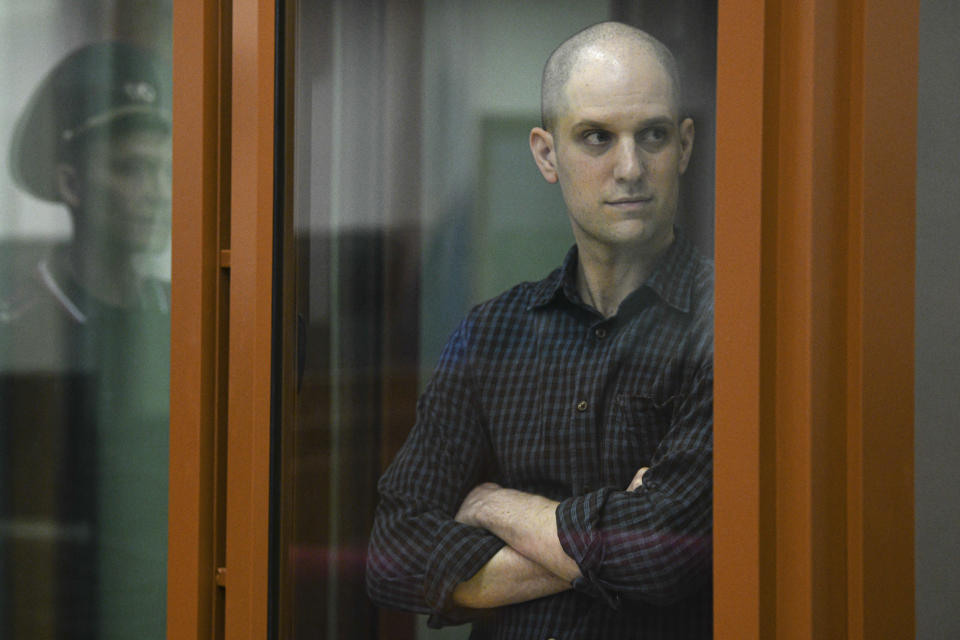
(124, 189)
(618, 151)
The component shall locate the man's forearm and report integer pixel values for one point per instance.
(507, 578)
(526, 522)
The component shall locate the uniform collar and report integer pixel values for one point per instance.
(71, 301)
(81, 306)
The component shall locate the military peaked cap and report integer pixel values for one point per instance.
(96, 85)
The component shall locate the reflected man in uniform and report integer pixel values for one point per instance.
(557, 483)
(85, 360)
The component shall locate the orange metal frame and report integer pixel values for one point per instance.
(813, 512)
(196, 329)
(816, 122)
(221, 319)
(251, 296)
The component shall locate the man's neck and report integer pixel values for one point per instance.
(107, 276)
(605, 277)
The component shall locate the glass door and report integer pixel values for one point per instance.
(411, 196)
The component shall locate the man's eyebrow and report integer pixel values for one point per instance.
(590, 123)
(660, 120)
(649, 122)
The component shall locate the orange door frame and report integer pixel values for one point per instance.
(251, 298)
(221, 319)
(199, 317)
(814, 302)
(814, 319)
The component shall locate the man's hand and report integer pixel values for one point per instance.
(526, 522)
(533, 564)
(510, 576)
(637, 481)
(469, 512)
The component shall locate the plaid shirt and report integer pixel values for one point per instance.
(538, 392)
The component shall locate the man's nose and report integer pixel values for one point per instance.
(629, 162)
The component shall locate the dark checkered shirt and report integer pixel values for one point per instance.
(538, 392)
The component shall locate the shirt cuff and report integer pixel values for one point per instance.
(461, 551)
(582, 540)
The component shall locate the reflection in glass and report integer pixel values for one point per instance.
(84, 339)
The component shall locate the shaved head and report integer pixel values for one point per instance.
(613, 38)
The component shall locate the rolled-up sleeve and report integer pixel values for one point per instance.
(653, 544)
(418, 553)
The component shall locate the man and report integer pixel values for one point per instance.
(95, 137)
(84, 364)
(557, 483)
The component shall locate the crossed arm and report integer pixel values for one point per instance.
(533, 564)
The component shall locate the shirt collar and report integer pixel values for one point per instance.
(562, 279)
(671, 280)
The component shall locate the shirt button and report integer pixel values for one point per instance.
(600, 333)
(582, 405)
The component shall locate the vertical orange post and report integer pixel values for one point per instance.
(197, 102)
(742, 449)
(814, 303)
(251, 238)
(882, 258)
(811, 301)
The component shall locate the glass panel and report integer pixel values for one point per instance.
(414, 198)
(85, 127)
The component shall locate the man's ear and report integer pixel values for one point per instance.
(544, 153)
(68, 185)
(686, 143)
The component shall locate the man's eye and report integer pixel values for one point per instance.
(654, 135)
(596, 137)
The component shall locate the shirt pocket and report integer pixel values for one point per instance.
(640, 423)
